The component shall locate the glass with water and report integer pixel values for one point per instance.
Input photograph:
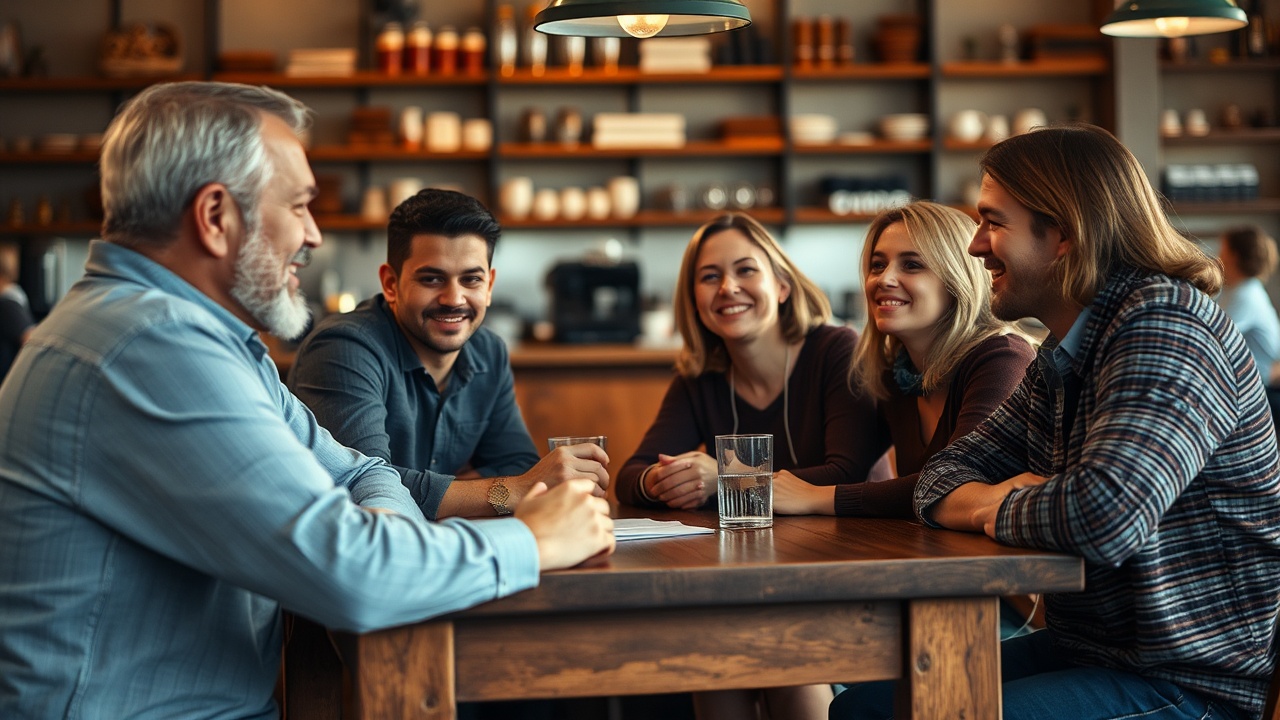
(744, 470)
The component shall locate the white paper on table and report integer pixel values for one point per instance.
(649, 529)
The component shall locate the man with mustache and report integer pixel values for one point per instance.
(410, 376)
(162, 495)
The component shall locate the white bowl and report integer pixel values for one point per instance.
(904, 126)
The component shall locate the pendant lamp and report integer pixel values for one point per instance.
(1173, 18)
(641, 18)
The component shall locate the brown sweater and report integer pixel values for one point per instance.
(833, 431)
(980, 383)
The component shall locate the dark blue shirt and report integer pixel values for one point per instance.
(367, 386)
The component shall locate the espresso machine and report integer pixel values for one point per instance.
(595, 302)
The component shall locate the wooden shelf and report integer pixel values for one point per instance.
(348, 223)
(1227, 67)
(823, 216)
(48, 158)
(75, 227)
(644, 218)
(865, 71)
(352, 153)
(1260, 136)
(633, 76)
(966, 146)
(87, 83)
(360, 79)
(696, 148)
(1037, 68)
(882, 147)
(1237, 207)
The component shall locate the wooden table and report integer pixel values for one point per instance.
(813, 600)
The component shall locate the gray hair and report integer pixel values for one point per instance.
(175, 138)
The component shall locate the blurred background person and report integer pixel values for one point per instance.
(1248, 258)
(16, 322)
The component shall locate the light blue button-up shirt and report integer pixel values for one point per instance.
(162, 496)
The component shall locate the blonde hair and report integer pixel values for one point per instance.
(1080, 179)
(806, 308)
(941, 236)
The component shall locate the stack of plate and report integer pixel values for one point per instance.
(814, 129)
(904, 126)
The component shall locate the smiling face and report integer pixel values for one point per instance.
(441, 292)
(907, 299)
(735, 288)
(266, 281)
(1022, 282)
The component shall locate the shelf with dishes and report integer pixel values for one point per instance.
(870, 147)
(643, 218)
(1258, 136)
(864, 71)
(695, 148)
(359, 79)
(34, 157)
(86, 83)
(1083, 66)
(745, 74)
(1231, 66)
(390, 153)
(1231, 207)
(74, 228)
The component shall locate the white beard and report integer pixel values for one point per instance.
(259, 291)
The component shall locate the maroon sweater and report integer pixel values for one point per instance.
(980, 383)
(834, 431)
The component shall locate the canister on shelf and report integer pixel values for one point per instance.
(472, 52)
(505, 40)
(825, 34)
(802, 39)
(535, 43)
(444, 51)
(417, 49)
(390, 48)
(844, 42)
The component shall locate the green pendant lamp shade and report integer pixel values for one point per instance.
(1173, 18)
(641, 18)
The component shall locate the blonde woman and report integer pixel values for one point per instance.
(932, 356)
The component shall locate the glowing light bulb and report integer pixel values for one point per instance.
(1172, 26)
(643, 26)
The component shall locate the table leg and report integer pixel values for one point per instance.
(406, 672)
(953, 659)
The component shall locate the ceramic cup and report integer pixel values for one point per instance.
(573, 203)
(373, 206)
(411, 128)
(402, 189)
(997, 129)
(968, 125)
(546, 204)
(1170, 123)
(516, 197)
(444, 132)
(624, 196)
(1027, 119)
(1197, 123)
(477, 134)
(599, 206)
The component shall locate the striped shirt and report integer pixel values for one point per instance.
(1165, 482)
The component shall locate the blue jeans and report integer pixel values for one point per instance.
(1037, 684)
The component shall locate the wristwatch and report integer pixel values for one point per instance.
(499, 497)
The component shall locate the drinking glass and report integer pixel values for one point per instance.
(560, 441)
(744, 476)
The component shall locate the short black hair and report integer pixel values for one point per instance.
(438, 212)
